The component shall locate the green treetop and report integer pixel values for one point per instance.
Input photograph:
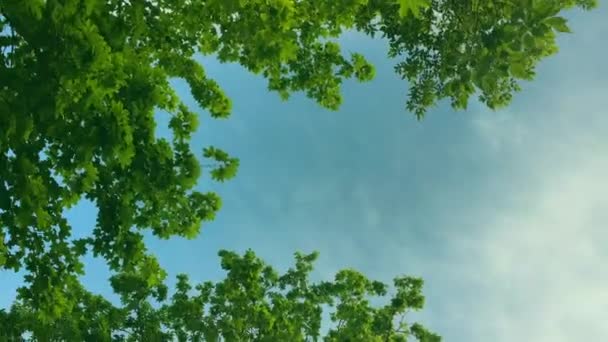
(252, 303)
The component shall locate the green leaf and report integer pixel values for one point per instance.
(412, 6)
(529, 41)
(559, 24)
(3, 252)
(518, 69)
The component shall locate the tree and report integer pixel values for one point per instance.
(253, 303)
(81, 80)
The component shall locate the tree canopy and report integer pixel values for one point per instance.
(80, 81)
(253, 303)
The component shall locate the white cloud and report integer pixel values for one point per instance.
(492, 130)
(542, 267)
(535, 270)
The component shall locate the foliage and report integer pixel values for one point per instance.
(253, 303)
(458, 48)
(80, 81)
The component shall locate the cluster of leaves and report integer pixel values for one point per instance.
(253, 303)
(80, 81)
(457, 48)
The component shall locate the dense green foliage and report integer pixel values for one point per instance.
(253, 303)
(80, 81)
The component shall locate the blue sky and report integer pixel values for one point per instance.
(502, 213)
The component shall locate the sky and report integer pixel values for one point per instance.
(504, 214)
